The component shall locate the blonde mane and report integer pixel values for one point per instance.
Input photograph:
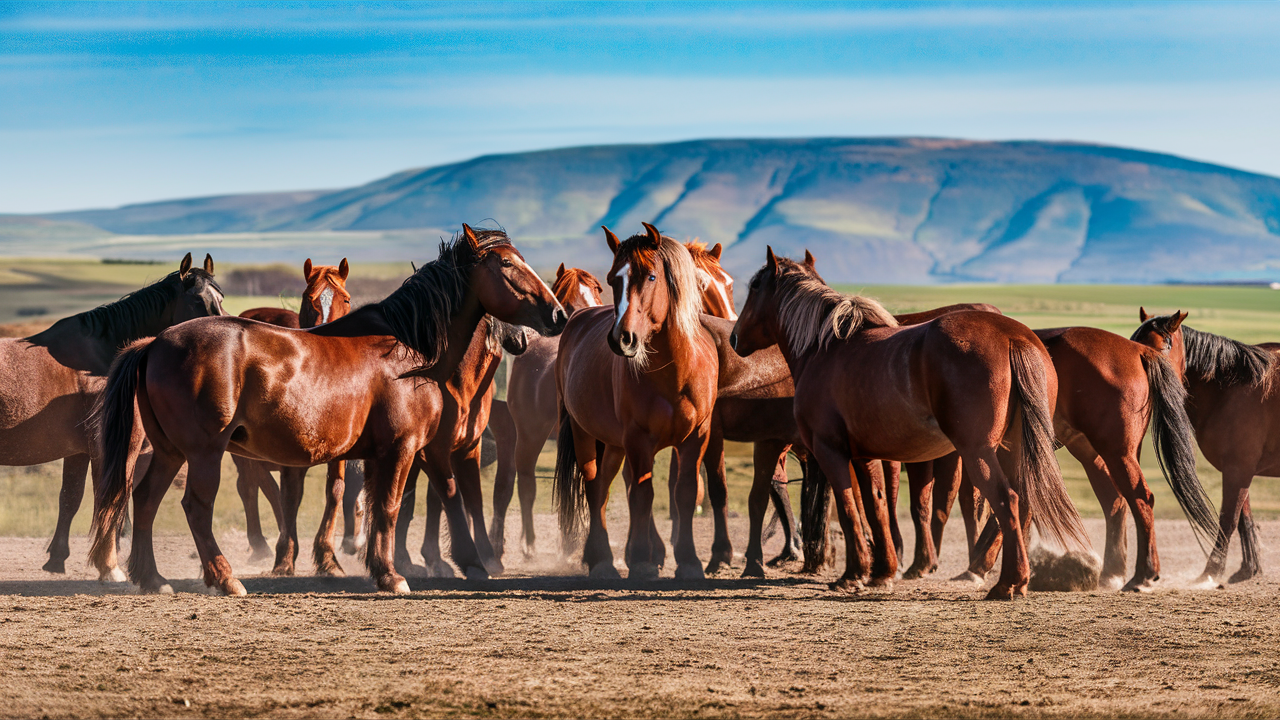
(813, 314)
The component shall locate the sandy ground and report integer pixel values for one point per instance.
(540, 642)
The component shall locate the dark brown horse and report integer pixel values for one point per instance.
(1235, 410)
(351, 388)
(633, 381)
(454, 451)
(325, 298)
(866, 387)
(532, 408)
(53, 379)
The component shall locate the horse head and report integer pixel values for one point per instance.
(507, 288)
(200, 296)
(758, 326)
(1164, 333)
(654, 288)
(326, 297)
(715, 282)
(576, 289)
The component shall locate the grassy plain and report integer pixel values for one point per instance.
(64, 287)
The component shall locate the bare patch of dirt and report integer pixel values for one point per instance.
(543, 642)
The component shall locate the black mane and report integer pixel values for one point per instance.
(1225, 361)
(134, 315)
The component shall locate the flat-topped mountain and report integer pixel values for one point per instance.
(905, 210)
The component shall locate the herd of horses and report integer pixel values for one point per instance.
(971, 403)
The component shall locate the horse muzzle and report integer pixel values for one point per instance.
(624, 342)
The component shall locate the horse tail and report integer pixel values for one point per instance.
(568, 486)
(815, 505)
(1171, 435)
(1039, 478)
(113, 418)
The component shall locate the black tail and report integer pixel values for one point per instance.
(113, 418)
(1171, 435)
(1039, 477)
(815, 507)
(567, 488)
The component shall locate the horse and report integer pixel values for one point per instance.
(1110, 390)
(347, 389)
(531, 407)
(630, 382)
(54, 378)
(866, 387)
(454, 450)
(1233, 408)
(325, 298)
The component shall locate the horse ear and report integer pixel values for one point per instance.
(208, 263)
(808, 260)
(1176, 322)
(654, 236)
(306, 269)
(771, 260)
(185, 267)
(343, 269)
(1142, 314)
(560, 271)
(611, 239)
(470, 236)
(715, 251)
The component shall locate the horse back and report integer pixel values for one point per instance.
(273, 316)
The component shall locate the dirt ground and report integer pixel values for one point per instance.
(542, 642)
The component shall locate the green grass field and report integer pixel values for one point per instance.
(68, 286)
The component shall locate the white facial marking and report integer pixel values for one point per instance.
(589, 296)
(625, 274)
(326, 301)
(720, 288)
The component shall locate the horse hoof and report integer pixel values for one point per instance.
(161, 588)
(604, 571)
(644, 571)
(689, 571)
(441, 569)
(476, 573)
(753, 569)
(1205, 582)
(114, 575)
(494, 567)
(915, 572)
(882, 581)
(1002, 591)
(333, 570)
(1139, 586)
(970, 577)
(783, 559)
(233, 588)
(258, 553)
(393, 584)
(55, 566)
(1242, 574)
(713, 567)
(282, 571)
(852, 586)
(349, 545)
(1112, 582)
(529, 551)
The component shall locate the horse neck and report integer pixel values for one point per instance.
(462, 329)
(477, 367)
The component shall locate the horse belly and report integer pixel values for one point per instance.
(43, 413)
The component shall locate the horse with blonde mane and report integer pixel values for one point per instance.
(866, 387)
(633, 381)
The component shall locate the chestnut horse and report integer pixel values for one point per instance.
(866, 387)
(351, 388)
(631, 382)
(531, 405)
(467, 399)
(1110, 390)
(325, 298)
(1235, 411)
(54, 378)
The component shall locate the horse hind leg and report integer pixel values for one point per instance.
(292, 484)
(1235, 494)
(352, 508)
(74, 469)
(148, 490)
(248, 480)
(1107, 488)
(322, 549)
(990, 479)
(872, 485)
(718, 492)
(1250, 546)
(466, 466)
(920, 484)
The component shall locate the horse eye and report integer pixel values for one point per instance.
(506, 262)
(652, 278)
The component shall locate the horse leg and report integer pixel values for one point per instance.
(835, 465)
(247, 482)
(384, 478)
(74, 469)
(872, 482)
(892, 472)
(984, 546)
(718, 491)
(204, 474)
(1126, 474)
(437, 566)
(271, 491)
(644, 556)
(1235, 493)
(1250, 547)
(945, 474)
(462, 548)
(764, 460)
(990, 479)
(920, 485)
(692, 452)
(781, 499)
(148, 491)
(505, 436)
(292, 482)
(351, 506)
(408, 505)
(528, 446)
(1108, 490)
(598, 474)
(466, 468)
(322, 549)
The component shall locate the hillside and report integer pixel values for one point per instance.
(872, 210)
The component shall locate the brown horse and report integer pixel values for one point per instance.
(631, 382)
(866, 387)
(1111, 389)
(1234, 409)
(351, 388)
(454, 451)
(54, 378)
(324, 299)
(531, 406)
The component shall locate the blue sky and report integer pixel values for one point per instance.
(108, 104)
